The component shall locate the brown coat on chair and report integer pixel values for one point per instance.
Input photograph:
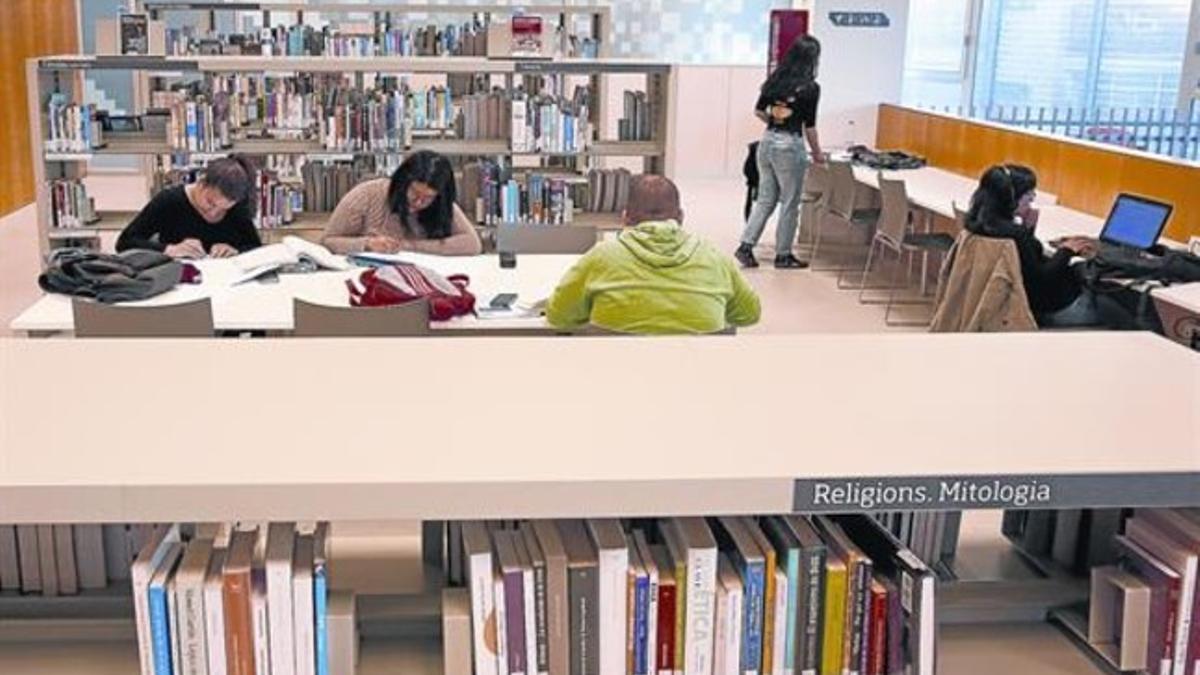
(982, 289)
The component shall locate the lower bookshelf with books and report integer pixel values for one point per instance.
(768, 594)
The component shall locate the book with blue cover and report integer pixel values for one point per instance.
(160, 616)
(746, 556)
(787, 547)
(321, 597)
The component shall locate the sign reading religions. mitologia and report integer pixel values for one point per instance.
(860, 19)
(995, 492)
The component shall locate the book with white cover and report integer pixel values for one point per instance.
(214, 614)
(478, 551)
(302, 605)
(700, 548)
(292, 254)
(27, 548)
(281, 539)
(501, 620)
(189, 594)
(528, 587)
(781, 617)
(46, 560)
(64, 559)
(10, 565)
(90, 557)
(728, 649)
(143, 568)
(613, 552)
(261, 621)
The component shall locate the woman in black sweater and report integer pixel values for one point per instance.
(1002, 207)
(212, 217)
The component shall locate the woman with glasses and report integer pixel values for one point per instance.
(414, 210)
(212, 217)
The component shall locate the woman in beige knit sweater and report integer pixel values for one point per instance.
(414, 210)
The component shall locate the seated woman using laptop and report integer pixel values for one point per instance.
(212, 217)
(1002, 207)
(414, 210)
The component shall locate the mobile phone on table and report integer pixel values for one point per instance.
(508, 260)
(503, 301)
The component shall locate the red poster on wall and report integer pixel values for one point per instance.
(786, 26)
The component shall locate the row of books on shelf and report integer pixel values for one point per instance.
(54, 560)
(931, 535)
(608, 190)
(353, 39)
(546, 124)
(1144, 612)
(638, 121)
(72, 127)
(70, 205)
(694, 596)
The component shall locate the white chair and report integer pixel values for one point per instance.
(408, 320)
(894, 233)
(840, 207)
(98, 320)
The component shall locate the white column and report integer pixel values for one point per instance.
(1189, 85)
(861, 67)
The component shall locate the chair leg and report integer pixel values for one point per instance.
(862, 288)
(892, 302)
(887, 313)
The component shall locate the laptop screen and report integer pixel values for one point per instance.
(1136, 222)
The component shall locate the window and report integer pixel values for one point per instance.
(1080, 54)
(935, 62)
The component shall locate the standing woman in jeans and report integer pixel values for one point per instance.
(788, 104)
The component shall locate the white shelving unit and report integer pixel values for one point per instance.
(63, 74)
(869, 410)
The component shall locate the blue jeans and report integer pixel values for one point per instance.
(782, 163)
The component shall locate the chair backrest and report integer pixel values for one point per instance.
(816, 180)
(842, 190)
(546, 239)
(982, 289)
(893, 217)
(408, 320)
(98, 320)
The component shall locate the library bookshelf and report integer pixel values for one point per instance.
(64, 74)
(872, 413)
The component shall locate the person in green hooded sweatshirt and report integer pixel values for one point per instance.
(656, 278)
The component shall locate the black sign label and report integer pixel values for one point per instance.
(995, 492)
(860, 19)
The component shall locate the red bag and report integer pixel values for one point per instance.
(398, 284)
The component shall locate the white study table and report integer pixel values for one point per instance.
(268, 306)
(379, 429)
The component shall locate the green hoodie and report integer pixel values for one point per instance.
(656, 278)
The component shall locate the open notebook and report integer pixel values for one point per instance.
(293, 255)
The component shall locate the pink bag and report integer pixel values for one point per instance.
(398, 284)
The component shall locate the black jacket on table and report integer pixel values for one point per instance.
(170, 218)
(1050, 283)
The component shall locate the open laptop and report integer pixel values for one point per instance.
(1134, 225)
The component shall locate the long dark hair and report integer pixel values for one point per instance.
(994, 204)
(434, 170)
(234, 177)
(797, 71)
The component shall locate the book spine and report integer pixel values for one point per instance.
(878, 641)
(701, 607)
(791, 641)
(192, 631)
(641, 607)
(542, 625)
(753, 650)
(321, 618)
(814, 612)
(239, 626)
(856, 615)
(214, 624)
(666, 629)
(482, 617)
(160, 630)
(501, 625)
(835, 622)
